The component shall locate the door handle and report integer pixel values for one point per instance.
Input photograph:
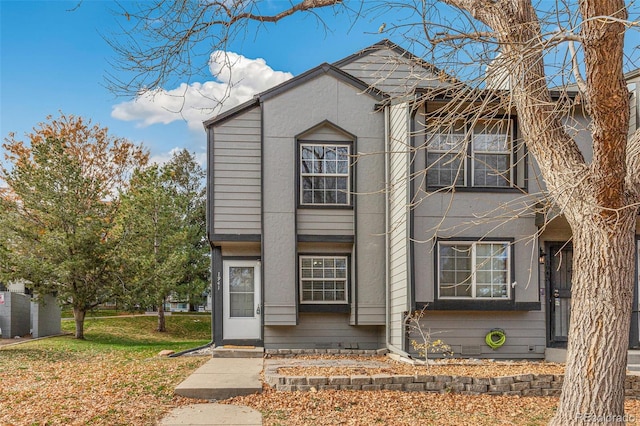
(258, 310)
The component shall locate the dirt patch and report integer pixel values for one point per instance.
(5, 342)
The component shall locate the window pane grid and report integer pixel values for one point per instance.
(323, 279)
(324, 174)
(491, 157)
(491, 170)
(446, 157)
(474, 270)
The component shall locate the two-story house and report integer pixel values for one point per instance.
(338, 203)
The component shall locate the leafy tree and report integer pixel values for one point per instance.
(187, 180)
(163, 220)
(534, 44)
(58, 213)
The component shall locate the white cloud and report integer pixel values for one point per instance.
(237, 79)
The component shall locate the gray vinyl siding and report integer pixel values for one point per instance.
(391, 73)
(370, 232)
(460, 217)
(236, 175)
(325, 222)
(466, 331)
(475, 215)
(298, 113)
(323, 331)
(318, 221)
(399, 274)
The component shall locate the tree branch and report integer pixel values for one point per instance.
(304, 5)
(161, 40)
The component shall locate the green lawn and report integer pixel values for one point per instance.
(138, 335)
(113, 377)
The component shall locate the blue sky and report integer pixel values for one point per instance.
(54, 59)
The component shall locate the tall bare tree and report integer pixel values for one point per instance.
(599, 198)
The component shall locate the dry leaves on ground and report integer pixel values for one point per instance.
(76, 389)
(402, 408)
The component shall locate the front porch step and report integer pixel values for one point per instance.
(238, 352)
(222, 378)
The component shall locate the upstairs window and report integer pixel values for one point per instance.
(479, 155)
(446, 156)
(324, 174)
(491, 154)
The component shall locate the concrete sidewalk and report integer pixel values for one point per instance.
(220, 378)
(212, 415)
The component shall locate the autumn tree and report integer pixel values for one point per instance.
(534, 48)
(162, 226)
(58, 213)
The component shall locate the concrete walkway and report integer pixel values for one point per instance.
(222, 378)
(212, 414)
(228, 374)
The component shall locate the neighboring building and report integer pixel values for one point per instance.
(325, 192)
(176, 304)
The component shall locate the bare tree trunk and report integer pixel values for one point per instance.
(162, 326)
(78, 316)
(601, 298)
(593, 196)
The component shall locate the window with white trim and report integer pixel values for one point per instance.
(490, 155)
(323, 279)
(474, 270)
(446, 156)
(324, 174)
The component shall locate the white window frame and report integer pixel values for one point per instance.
(302, 174)
(459, 152)
(474, 270)
(344, 279)
(469, 153)
(508, 152)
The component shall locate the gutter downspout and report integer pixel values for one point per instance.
(387, 270)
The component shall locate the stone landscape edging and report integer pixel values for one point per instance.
(514, 385)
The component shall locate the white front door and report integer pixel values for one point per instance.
(241, 301)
